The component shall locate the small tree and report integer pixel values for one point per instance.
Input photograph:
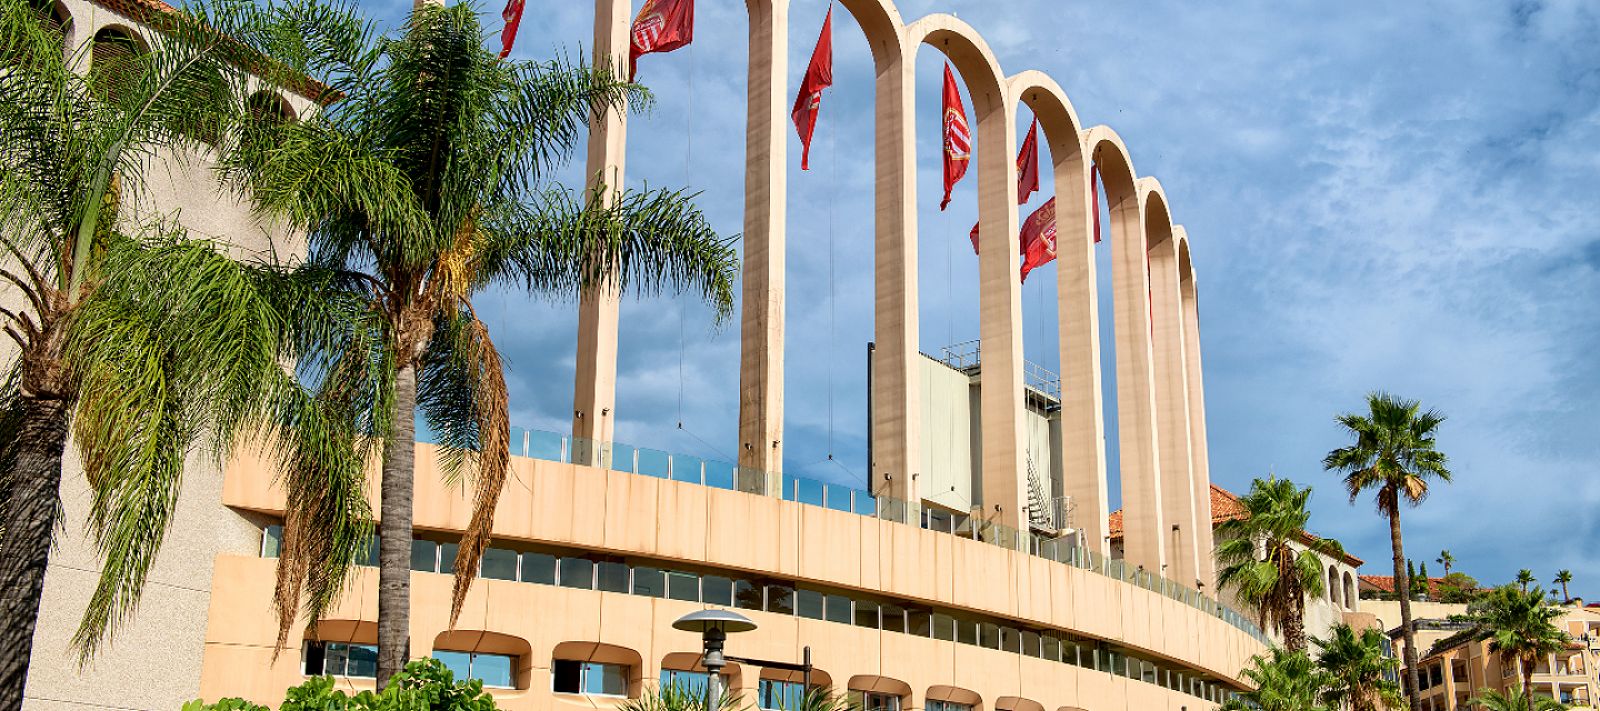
(1446, 560)
(1564, 578)
(1525, 578)
(1520, 627)
(1284, 681)
(1515, 700)
(1260, 561)
(1358, 670)
(1458, 588)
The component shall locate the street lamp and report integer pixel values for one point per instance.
(714, 627)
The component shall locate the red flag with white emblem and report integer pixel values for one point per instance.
(808, 103)
(661, 26)
(1027, 173)
(957, 137)
(513, 17)
(1039, 238)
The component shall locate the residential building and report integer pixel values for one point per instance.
(1454, 667)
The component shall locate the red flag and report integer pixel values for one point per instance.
(1027, 173)
(513, 17)
(957, 137)
(808, 103)
(661, 26)
(1094, 194)
(1039, 238)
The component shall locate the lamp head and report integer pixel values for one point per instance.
(726, 621)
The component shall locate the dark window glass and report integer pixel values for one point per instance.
(369, 555)
(361, 660)
(836, 608)
(894, 618)
(605, 679)
(780, 599)
(447, 558)
(613, 576)
(577, 573)
(944, 627)
(919, 623)
(316, 659)
(988, 635)
(692, 683)
(424, 556)
(649, 582)
(808, 603)
(568, 676)
(539, 568)
(867, 614)
(1050, 648)
(716, 590)
(499, 564)
(747, 595)
(966, 631)
(773, 695)
(683, 586)
(1030, 644)
(1010, 640)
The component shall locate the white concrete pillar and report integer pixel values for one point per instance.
(1199, 464)
(1172, 395)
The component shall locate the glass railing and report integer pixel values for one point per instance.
(688, 469)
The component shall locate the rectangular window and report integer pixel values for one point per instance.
(341, 659)
(447, 558)
(747, 596)
(649, 582)
(866, 614)
(498, 564)
(1031, 644)
(774, 695)
(1050, 648)
(424, 556)
(613, 576)
(369, 555)
(966, 632)
(692, 683)
(683, 586)
(570, 676)
(577, 573)
(894, 618)
(932, 705)
(494, 670)
(1010, 640)
(780, 599)
(836, 608)
(808, 604)
(988, 635)
(944, 627)
(539, 568)
(879, 702)
(716, 590)
(271, 541)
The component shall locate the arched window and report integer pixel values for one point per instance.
(1349, 591)
(1333, 585)
(271, 106)
(112, 62)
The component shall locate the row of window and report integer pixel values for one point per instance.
(611, 574)
(361, 660)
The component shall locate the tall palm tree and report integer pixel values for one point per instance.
(1284, 680)
(1260, 561)
(143, 343)
(1394, 453)
(1446, 560)
(1525, 578)
(429, 182)
(1515, 700)
(1520, 627)
(1564, 578)
(1358, 670)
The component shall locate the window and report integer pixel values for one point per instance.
(780, 599)
(577, 573)
(836, 608)
(932, 705)
(919, 623)
(690, 682)
(539, 568)
(649, 582)
(747, 596)
(944, 627)
(808, 604)
(424, 556)
(271, 541)
(498, 564)
(494, 670)
(894, 618)
(341, 659)
(989, 635)
(879, 702)
(447, 558)
(774, 694)
(866, 614)
(716, 590)
(369, 555)
(612, 576)
(683, 586)
(593, 678)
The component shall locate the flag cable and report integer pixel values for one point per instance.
(683, 304)
(833, 190)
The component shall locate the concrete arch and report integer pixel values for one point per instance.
(955, 695)
(1199, 462)
(1172, 412)
(968, 52)
(1350, 596)
(1144, 529)
(1077, 310)
(1017, 703)
(1333, 585)
(878, 685)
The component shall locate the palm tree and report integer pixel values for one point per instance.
(1564, 578)
(1446, 560)
(1261, 564)
(428, 182)
(1525, 578)
(1515, 700)
(145, 344)
(1394, 453)
(1358, 670)
(1284, 681)
(1520, 626)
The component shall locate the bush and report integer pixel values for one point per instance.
(423, 684)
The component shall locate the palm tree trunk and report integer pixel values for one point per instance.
(394, 546)
(1392, 503)
(1526, 670)
(27, 520)
(1294, 629)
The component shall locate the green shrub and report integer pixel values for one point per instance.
(423, 684)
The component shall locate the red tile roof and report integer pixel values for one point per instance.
(1385, 583)
(1225, 506)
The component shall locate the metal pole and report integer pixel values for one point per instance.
(805, 660)
(713, 661)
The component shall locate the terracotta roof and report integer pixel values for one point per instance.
(1385, 583)
(149, 13)
(1225, 506)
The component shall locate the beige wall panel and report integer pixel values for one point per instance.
(873, 543)
(631, 503)
(742, 530)
(686, 505)
(833, 542)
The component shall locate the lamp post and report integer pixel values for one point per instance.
(714, 627)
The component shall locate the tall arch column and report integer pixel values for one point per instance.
(1172, 392)
(595, 387)
(761, 324)
(1199, 461)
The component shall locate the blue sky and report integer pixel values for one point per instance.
(1387, 196)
